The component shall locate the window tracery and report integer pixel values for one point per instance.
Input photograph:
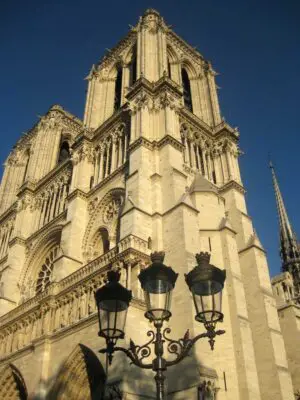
(45, 274)
(102, 232)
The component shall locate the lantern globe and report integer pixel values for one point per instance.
(206, 283)
(112, 301)
(158, 282)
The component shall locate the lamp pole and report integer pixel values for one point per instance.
(205, 282)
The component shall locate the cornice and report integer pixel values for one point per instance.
(141, 83)
(122, 169)
(53, 174)
(154, 87)
(113, 54)
(76, 123)
(67, 114)
(232, 185)
(28, 187)
(77, 193)
(170, 140)
(161, 214)
(229, 229)
(197, 123)
(10, 212)
(17, 240)
(191, 51)
(120, 116)
(250, 247)
(18, 353)
(3, 261)
(141, 141)
(291, 304)
(80, 141)
(243, 318)
(53, 222)
(225, 130)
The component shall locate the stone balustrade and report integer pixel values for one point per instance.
(71, 300)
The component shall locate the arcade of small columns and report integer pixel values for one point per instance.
(51, 201)
(110, 154)
(6, 231)
(71, 300)
(217, 161)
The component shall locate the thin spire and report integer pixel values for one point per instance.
(289, 246)
(287, 234)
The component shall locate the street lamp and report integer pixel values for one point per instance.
(206, 283)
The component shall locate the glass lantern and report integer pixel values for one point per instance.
(158, 281)
(206, 283)
(112, 302)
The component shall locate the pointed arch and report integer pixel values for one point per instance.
(102, 231)
(186, 86)
(64, 152)
(189, 67)
(172, 55)
(133, 66)
(172, 63)
(12, 384)
(37, 257)
(26, 160)
(118, 88)
(130, 59)
(81, 377)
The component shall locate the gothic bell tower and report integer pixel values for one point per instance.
(184, 192)
(152, 167)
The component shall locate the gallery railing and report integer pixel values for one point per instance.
(71, 300)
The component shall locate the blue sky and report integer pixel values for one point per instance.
(48, 47)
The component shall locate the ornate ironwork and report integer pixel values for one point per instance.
(179, 348)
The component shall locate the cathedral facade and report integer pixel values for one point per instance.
(152, 166)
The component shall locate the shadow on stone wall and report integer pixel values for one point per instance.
(82, 377)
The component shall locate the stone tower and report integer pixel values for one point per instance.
(152, 166)
(286, 287)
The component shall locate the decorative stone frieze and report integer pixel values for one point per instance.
(74, 301)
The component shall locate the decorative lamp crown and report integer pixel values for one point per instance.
(202, 258)
(157, 256)
(113, 276)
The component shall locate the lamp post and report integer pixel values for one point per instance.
(205, 282)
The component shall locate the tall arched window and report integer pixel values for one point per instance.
(187, 97)
(118, 89)
(169, 69)
(104, 239)
(133, 67)
(44, 277)
(26, 162)
(64, 152)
